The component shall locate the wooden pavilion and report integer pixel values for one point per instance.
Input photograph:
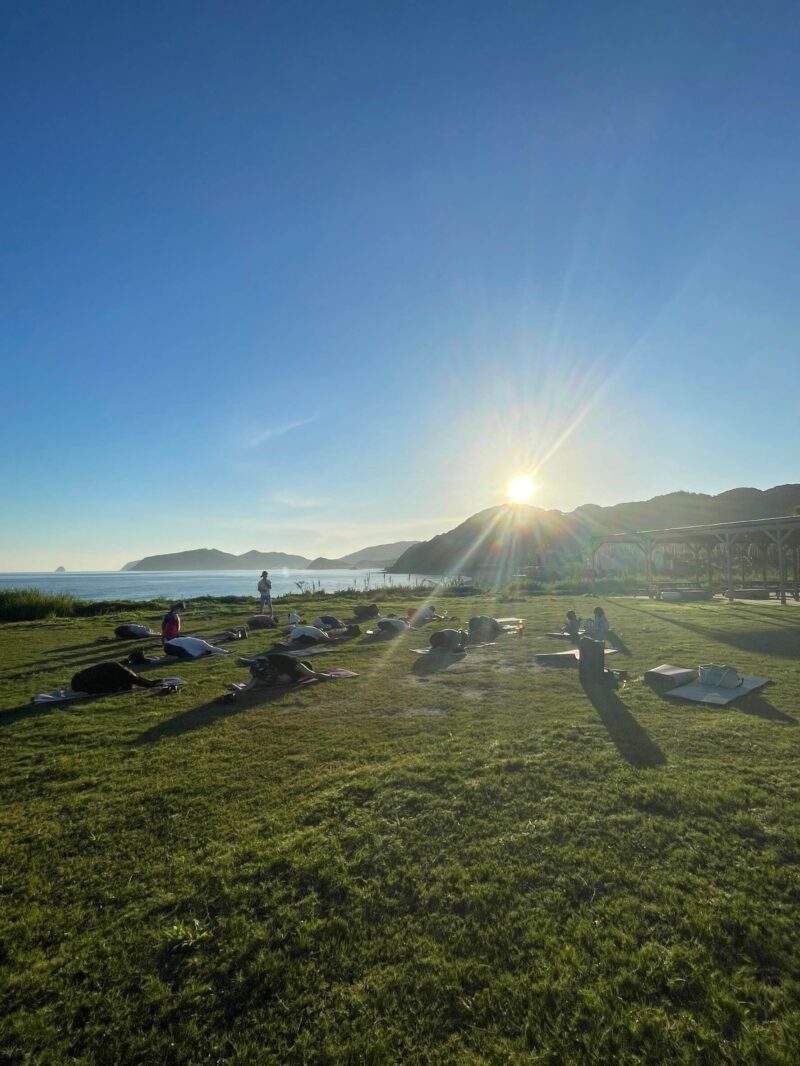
(783, 533)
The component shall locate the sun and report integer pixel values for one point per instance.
(521, 489)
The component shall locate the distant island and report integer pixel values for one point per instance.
(375, 557)
(60, 570)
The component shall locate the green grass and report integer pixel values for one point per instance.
(485, 864)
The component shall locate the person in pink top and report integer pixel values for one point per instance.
(171, 623)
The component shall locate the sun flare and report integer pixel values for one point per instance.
(521, 489)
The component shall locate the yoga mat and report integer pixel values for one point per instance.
(447, 651)
(573, 653)
(66, 695)
(715, 695)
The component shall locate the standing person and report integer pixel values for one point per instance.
(171, 622)
(265, 591)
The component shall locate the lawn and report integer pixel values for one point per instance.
(478, 865)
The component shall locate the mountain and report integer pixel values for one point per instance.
(511, 536)
(322, 563)
(213, 559)
(378, 556)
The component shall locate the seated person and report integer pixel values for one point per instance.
(391, 626)
(294, 618)
(598, 625)
(171, 622)
(328, 621)
(191, 648)
(572, 625)
(307, 635)
(482, 628)
(133, 631)
(449, 640)
(277, 669)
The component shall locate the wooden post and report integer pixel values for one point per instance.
(710, 547)
(729, 566)
(594, 564)
(741, 560)
(797, 572)
(764, 552)
(781, 569)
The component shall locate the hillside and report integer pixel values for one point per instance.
(378, 555)
(516, 535)
(375, 557)
(213, 559)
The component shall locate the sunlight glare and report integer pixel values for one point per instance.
(521, 489)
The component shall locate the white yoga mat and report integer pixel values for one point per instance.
(573, 653)
(716, 695)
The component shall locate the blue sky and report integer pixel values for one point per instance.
(311, 276)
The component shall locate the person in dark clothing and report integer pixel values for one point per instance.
(572, 625)
(482, 628)
(109, 677)
(449, 640)
(275, 668)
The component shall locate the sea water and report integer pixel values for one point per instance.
(186, 584)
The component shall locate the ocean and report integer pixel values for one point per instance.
(186, 584)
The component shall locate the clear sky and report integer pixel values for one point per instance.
(311, 276)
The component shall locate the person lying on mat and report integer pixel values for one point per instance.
(449, 640)
(171, 622)
(307, 635)
(328, 621)
(391, 626)
(277, 669)
(482, 628)
(133, 631)
(572, 625)
(109, 677)
(191, 648)
(420, 616)
(598, 624)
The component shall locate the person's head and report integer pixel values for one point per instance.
(180, 606)
(263, 573)
(571, 616)
(599, 612)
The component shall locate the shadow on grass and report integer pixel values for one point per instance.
(214, 711)
(435, 662)
(757, 705)
(782, 641)
(25, 711)
(632, 742)
(616, 642)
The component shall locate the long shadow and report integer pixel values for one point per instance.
(435, 662)
(632, 742)
(760, 707)
(768, 616)
(784, 643)
(26, 710)
(214, 711)
(616, 641)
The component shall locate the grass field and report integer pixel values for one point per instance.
(486, 864)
